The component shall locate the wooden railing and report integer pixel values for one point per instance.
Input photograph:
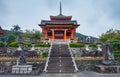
(88, 58)
(29, 59)
(37, 59)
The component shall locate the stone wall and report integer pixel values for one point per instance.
(87, 65)
(82, 52)
(77, 52)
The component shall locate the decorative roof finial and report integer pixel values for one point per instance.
(60, 9)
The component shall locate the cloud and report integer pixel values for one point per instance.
(95, 16)
(114, 9)
(2, 8)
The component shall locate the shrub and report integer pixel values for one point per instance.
(13, 44)
(44, 54)
(76, 45)
(27, 44)
(11, 38)
(117, 53)
(1, 44)
(116, 44)
(41, 44)
(93, 45)
(116, 47)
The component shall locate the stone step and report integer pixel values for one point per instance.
(62, 67)
(60, 60)
(61, 71)
(62, 64)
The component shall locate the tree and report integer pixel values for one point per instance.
(32, 34)
(1, 44)
(116, 47)
(11, 38)
(16, 30)
(113, 36)
(110, 35)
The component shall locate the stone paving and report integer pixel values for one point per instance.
(81, 74)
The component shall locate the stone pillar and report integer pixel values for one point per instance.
(53, 35)
(46, 34)
(72, 32)
(65, 35)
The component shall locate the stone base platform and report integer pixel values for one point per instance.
(21, 69)
(107, 68)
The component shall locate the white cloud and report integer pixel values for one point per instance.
(95, 16)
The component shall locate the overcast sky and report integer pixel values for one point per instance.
(94, 16)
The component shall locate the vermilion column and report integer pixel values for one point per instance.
(53, 35)
(46, 34)
(65, 35)
(72, 32)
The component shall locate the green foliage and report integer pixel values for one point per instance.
(110, 35)
(93, 45)
(37, 34)
(117, 53)
(41, 44)
(116, 47)
(44, 54)
(13, 44)
(34, 34)
(113, 36)
(103, 39)
(1, 44)
(16, 31)
(11, 38)
(76, 45)
(6, 35)
(27, 44)
(116, 44)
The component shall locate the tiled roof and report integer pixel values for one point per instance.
(44, 22)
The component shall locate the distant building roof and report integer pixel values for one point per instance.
(45, 22)
(60, 17)
(1, 31)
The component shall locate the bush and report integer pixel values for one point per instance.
(13, 44)
(11, 38)
(93, 45)
(44, 54)
(27, 44)
(76, 45)
(117, 53)
(41, 44)
(116, 44)
(116, 47)
(1, 44)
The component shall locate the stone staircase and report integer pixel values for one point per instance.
(60, 60)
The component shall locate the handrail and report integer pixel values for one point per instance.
(75, 65)
(46, 64)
